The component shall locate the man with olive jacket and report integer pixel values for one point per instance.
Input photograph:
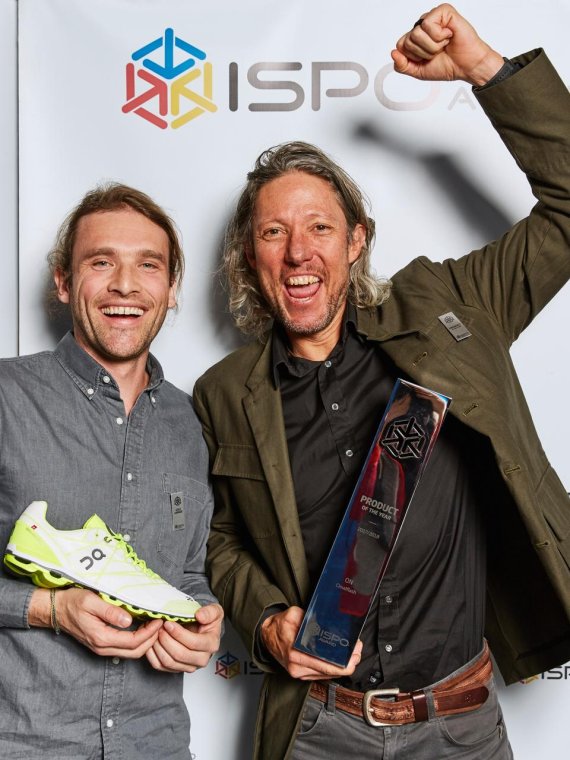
(485, 550)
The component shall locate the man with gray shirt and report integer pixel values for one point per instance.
(93, 427)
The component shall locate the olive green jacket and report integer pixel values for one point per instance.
(256, 554)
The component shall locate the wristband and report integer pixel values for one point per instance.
(507, 69)
(54, 623)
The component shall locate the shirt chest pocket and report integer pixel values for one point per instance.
(183, 500)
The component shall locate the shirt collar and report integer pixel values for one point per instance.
(282, 359)
(89, 375)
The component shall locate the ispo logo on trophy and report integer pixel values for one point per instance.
(404, 439)
(169, 82)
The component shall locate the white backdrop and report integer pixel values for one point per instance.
(8, 178)
(439, 180)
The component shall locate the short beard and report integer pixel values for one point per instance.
(335, 303)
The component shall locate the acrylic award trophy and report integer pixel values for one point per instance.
(371, 524)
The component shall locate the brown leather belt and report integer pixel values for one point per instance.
(391, 707)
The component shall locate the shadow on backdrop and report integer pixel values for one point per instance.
(225, 330)
(470, 202)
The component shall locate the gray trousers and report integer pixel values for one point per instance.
(330, 734)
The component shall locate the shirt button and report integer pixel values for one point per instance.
(349, 453)
(127, 537)
(388, 648)
(90, 391)
(116, 660)
(388, 599)
(375, 677)
(328, 363)
(110, 723)
(119, 420)
(106, 379)
(152, 398)
(334, 407)
(129, 476)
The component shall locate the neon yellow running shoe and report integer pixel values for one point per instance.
(92, 557)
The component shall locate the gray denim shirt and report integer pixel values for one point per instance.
(65, 439)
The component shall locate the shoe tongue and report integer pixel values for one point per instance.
(95, 522)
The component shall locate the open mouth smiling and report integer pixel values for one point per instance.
(122, 311)
(302, 286)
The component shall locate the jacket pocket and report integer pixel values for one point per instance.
(555, 504)
(234, 460)
(239, 479)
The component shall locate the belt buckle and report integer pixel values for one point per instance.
(366, 704)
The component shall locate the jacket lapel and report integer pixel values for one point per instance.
(263, 409)
(416, 345)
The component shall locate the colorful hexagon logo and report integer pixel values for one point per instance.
(228, 666)
(169, 82)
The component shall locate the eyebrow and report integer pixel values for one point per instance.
(144, 253)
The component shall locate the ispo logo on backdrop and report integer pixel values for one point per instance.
(169, 83)
(175, 88)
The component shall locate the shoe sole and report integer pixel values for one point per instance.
(46, 577)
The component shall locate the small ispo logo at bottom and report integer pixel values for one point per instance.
(557, 674)
(169, 80)
(229, 666)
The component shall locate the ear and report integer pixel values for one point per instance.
(356, 242)
(62, 286)
(172, 295)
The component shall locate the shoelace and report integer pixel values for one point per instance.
(132, 555)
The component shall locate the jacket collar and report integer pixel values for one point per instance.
(394, 317)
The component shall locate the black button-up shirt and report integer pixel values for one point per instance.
(428, 617)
